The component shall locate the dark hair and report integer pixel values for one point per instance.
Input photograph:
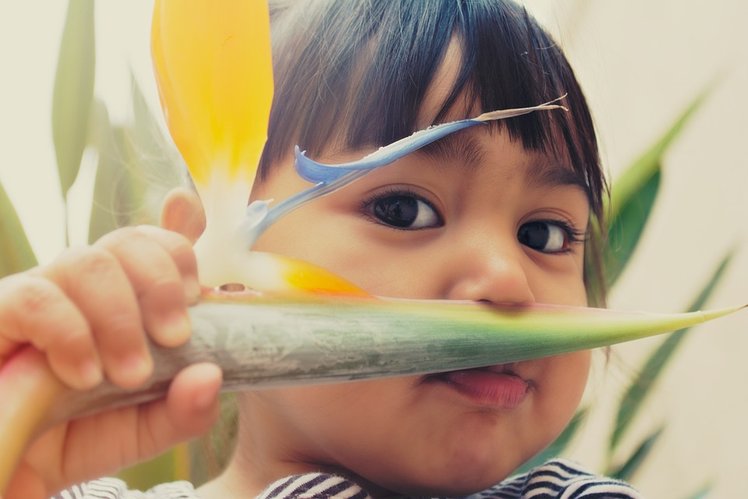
(354, 74)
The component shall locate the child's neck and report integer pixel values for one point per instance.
(233, 483)
(248, 475)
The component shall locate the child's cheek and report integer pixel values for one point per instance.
(563, 380)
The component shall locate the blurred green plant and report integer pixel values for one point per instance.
(73, 93)
(138, 164)
(15, 251)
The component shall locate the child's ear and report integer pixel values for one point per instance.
(183, 212)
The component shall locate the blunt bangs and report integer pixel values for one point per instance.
(353, 74)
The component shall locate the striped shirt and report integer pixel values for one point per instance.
(556, 479)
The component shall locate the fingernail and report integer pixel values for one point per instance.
(175, 329)
(204, 400)
(136, 366)
(90, 373)
(192, 291)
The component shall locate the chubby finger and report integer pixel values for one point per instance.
(96, 282)
(179, 249)
(156, 281)
(183, 212)
(33, 310)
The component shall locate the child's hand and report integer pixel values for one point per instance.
(91, 312)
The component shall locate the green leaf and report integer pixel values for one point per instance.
(116, 187)
(702, 493)
(324, 339)
(15, 251)
(625, 230)
(638, 390)
(159, 164)
(102, 218)
(637, 458)
(167, 467)
(559, 445)
(163, 162)
(137, 166)
(634, 194)
(210, 454)
(73, 90)
(638, 174)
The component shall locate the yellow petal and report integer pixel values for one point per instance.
(214, 73)
(293, 276)
(267, 272)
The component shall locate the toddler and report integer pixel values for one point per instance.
(497, 213)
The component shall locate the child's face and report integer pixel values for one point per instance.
(476, 217)
(488, 227)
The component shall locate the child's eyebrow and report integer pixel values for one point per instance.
(467, 151)
(553, 174)
(459, 147)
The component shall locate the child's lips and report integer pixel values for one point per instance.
(496, 387)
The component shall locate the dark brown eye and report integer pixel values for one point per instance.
(545, 236)
(405, 211)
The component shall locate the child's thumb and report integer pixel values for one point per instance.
(190, 409)
(182, 211)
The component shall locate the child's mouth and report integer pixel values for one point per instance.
(496, 387)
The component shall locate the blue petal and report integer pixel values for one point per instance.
(313, 171)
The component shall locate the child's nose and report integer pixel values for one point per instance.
(491, 271)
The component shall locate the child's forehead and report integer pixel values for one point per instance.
(441, 87)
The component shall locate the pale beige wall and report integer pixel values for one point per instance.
(640, 62)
